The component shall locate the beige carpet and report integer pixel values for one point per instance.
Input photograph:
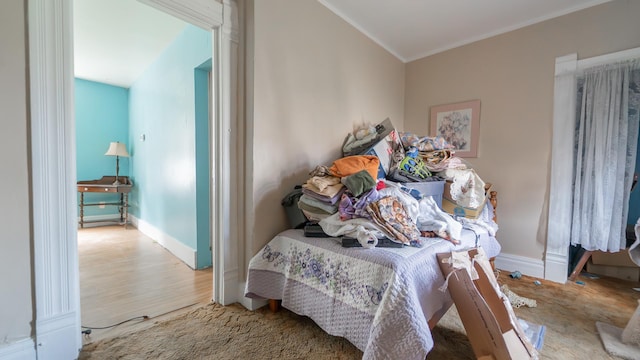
(568, 311)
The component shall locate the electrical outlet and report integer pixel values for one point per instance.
(101, 206)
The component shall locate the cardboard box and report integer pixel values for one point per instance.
(618, 272)
(387, 142)
(449, 206)
(487, 316)
(620, 258)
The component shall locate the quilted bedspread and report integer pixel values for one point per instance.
(379, 299)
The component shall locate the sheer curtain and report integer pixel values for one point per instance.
(606, 137)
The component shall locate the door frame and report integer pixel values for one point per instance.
(52, 125)
(567, 69)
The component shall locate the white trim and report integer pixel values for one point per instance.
(561, 188)
(556, 267)
(225, 136)
(504, 30)
(247, 176)
(55, 260)
(55, 256)
(18, 350)
(566, 65)
(249, 303)
(466, 41)
(206, 14)
(230, 280)
(526, 265)
(173, 245)
(560, 183)
(53, 335)
(609, 58)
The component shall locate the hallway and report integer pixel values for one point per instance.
(125, 275)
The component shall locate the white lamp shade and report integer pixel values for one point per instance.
(117, 149)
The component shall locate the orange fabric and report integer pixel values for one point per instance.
(352, 164)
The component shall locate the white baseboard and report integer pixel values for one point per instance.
(18, 350)
(55, 334)
(231, 282)
(526, 266)
(250, 304)
(177, 248)
(557, 268)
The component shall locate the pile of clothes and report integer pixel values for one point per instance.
(349, 198)
(466, 188)
(329, 188)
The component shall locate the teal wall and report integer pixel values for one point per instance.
(163, 166)
(102, 116)
(203, 161)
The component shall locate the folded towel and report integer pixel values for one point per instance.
(323, 198)
(329, 190)
(321, 182)
(308, 203)
(352, 164)
(359, 183)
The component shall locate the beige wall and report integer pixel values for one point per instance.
(315, 78)
(513, 76)
(15, 260)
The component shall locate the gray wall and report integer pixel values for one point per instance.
(16, 311)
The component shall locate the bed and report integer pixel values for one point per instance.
(383, 300)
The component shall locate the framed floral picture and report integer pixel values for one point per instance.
(459, 124)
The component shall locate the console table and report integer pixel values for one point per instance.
(105, 185)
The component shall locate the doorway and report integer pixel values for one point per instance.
(55, 266)
(567, 68)
(161, 115)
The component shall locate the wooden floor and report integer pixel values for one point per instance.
(124, 274)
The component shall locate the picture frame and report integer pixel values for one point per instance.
(459, 125)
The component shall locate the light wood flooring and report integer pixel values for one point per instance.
(124, 274)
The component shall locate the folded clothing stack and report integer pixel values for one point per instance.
(320, 196)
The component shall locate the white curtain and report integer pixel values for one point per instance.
(606, 138)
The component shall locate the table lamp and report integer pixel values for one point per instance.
(117, 149)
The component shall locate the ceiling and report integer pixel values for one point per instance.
(413, 29)
(116, 40)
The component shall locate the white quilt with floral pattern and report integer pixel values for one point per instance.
(379, 299)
